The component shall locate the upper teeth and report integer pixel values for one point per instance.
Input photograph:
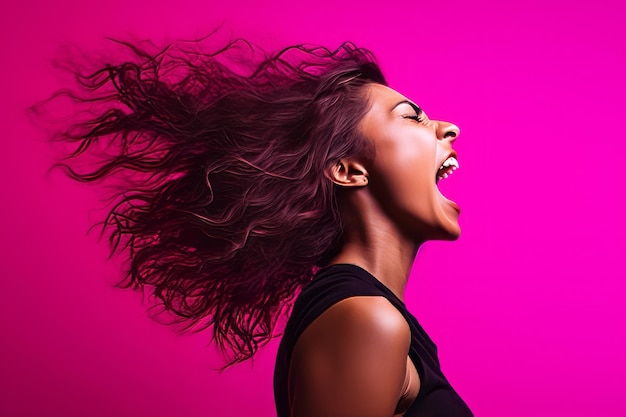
(450, 162)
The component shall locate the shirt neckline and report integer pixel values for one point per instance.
(371, 276)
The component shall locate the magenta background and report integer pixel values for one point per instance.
(527, 308)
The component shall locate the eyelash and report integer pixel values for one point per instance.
(417, 118)
(419, 114)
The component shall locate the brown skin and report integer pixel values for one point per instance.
(353, 359)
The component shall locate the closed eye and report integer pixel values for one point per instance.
(419, 113)
(417, 118)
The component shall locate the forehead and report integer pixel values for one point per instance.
(383, 98)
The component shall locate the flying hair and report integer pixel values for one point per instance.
(215, 162)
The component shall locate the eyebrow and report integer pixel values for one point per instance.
(417, 108)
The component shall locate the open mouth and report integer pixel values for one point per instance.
(447, 168)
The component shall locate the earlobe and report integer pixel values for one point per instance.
(348, 173)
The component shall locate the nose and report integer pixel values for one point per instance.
(447, 130)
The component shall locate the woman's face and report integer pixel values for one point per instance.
(403, 175)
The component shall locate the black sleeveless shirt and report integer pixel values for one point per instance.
(436, 397)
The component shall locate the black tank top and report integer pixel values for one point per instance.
(436, 397)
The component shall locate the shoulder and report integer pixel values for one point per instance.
(364, 316)
(351, 360)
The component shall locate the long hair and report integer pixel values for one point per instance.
(221, 208)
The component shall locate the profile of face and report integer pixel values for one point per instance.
(410, 149)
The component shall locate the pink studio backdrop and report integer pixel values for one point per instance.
(527, 308)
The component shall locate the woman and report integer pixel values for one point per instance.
(245, 181)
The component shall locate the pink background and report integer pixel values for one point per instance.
(527, 308)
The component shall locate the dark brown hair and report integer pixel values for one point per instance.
(221, 205)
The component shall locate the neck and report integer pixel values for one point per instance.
(375, 243)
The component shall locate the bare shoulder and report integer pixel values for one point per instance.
(351, 360)
(365, 316)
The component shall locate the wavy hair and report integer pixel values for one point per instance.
(221, 206)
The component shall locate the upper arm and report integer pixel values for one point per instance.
(351, 361)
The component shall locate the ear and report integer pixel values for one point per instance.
(348, 173)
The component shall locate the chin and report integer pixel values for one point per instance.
(452, 230)
(448, 220)
(448, 234)
(444, 225)
(454, 235)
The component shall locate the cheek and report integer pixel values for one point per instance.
(407, 177)
(408, 161)
(414, 193)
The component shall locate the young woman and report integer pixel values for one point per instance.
(251, 187)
